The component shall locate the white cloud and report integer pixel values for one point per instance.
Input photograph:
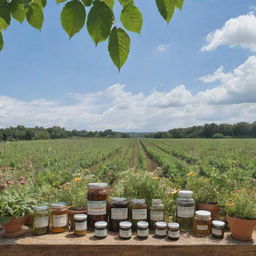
(232, 100)
(161, 48)
(239, 31)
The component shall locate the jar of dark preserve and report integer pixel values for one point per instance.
(142, 229)
(101, 229)
(118, 212)
(97, 197)
(125, 230)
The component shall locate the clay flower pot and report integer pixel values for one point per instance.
(241, 229)
(214, 209)
(13, 227)
(28, 220)
(71, 212)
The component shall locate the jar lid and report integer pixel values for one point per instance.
(138, 201)
(142, 224)
(203, 214)
(58, 205)
(174, 225)
(41, 208)
(97, 185)
(218, 223)
(80, 217)
(118, 199)
(125, 224)
(156, 201)
(185, 193)
(161, 224)
(101, 224)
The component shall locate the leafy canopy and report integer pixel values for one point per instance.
(101, 20)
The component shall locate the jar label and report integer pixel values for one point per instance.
(216, 232)
(97, 207)
(59, 221)
(139, 214)
(119, 213)
(142, 232)
(81, 226)
(125, 233)
(185, 212)
(156, 215)
(161, 232)
(41, 222)
(101, 233)
(202, 227)
(174, 234)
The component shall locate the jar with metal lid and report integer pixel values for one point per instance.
(185, 210)
(202, 223)
(218, 229)
(161, 229)
(142, 230)
(173, 230)
(40, 220)
(125, 230)
(138, 211)
(59, 217)
(118, 212)
(80, 224)
(156, 212)
(100, 229)
(97, 197)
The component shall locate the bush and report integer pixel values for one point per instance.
(218, 136)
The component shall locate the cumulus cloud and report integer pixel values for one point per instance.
(161, 48)
(239, 31)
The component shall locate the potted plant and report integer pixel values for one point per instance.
(241, 214)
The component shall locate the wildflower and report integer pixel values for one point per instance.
(77, 179)
(191, 174)
(230, 204)
(239, 191)
(156, 178)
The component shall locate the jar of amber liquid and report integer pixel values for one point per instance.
(97, 197)
(59, 217)
(118, 212)
(156, 212)
(202, 223)
(80, 224)
(138, 212)
(40, 220)
(218, 229)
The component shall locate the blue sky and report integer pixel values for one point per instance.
(44, 71)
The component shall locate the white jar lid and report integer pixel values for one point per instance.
(118, 199)
(58, 205)
(185, 193)
(41, 208)
(161, 224)
(142, 224)
(97, 185)
(80, 217)
(174, 225)
(203, 214)
(218, 223)
(138, 201)
(125, 224)
(156, 201)
(101, 224)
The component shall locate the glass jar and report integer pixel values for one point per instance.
(160, 229)
(97, 203)
(138, 211)
(80, 224)
(125, 230)
(59, 217)
(156, 212)
(218, 229)
(185, 210)
(118, 211)
(142, 230)
(173, 230)
(100, 229)
(202, 223)
(40, 220)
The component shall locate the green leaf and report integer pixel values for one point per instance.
(60, 1)
(131, 18)
(179, 3)
(110, 3)
(73, 17)
(18, 10)
(35, 16)
(87, 2)
(1, 42)
(99, 22)
(5, 15)
(125, 2)
(119, 46)
(166, 9)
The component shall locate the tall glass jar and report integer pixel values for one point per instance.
(202, 223)
(138, 211)
(156, 212)
(40, 220)
(118, 212)
(59, 217)
(185, 210)
(97, 197)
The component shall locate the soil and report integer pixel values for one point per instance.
(134, 158)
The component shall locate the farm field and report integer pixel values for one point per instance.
(59, 170)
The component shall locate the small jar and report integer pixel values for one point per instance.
(218, 229)
(142, 230)
(138, 211)
(202, 223)
(173, 230)
(156, 212)
(161, 229)
(125, 230)
(80, 224)
(59, 217)
(40, 220)
(118, 212)
(100, 229)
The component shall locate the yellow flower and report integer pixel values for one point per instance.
(156, 178)
(191, 174)
(230, 204)
(77, 179)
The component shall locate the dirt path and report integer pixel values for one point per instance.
(134, 158)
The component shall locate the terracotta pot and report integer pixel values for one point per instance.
(28, 220)
(13, 228)
(241, 229)
(71, 212)
(214, 209)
